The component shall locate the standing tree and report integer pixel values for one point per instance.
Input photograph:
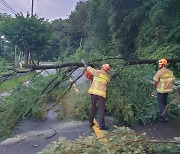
(97, 27)
(31, 34)
(61, 37)
(4, 44)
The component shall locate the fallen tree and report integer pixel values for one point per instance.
(148, 61)
(121, 140)
(80, 64)
(33, 67)
(64, 72)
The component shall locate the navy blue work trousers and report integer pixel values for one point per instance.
(162, 102)
(101, 107)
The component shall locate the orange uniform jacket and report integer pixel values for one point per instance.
(100, 80)
(164, 79)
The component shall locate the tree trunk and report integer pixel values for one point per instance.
(26, 56)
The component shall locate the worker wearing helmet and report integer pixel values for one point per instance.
(163, 81)
(97, 91)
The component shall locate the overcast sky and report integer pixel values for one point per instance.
(49, 9)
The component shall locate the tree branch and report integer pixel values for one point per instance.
(148, 61)
(78, 64)
(39, 67)
(70, 86)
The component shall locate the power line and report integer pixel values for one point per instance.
(32, 9)
(20, 5)
(9, 7)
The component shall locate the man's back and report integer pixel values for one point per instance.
(165, 79)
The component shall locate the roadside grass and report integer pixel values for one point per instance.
(11, 83)
(75, 104)
(23, 101)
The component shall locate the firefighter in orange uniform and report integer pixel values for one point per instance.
(97, 91)
(163, 81)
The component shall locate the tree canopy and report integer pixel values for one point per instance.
(31, 34)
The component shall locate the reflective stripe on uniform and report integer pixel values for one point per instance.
(163, 90)
(161, 82)
(102, 76)
(164, 80)
(97, 79)
(97, 92)
(95, 83)
(162, 85)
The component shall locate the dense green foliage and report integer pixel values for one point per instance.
(69, 34)
(75, 104)
(8, 85)
(131, 29)
(17, 105)
(131, 100)
(28, 99)
(101, 28)
(121, 141)
(4, 65)
(31, 34)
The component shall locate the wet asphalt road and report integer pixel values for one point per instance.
(31, 136)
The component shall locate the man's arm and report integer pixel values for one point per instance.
(156, 79)
(155, 83)
(91, 70)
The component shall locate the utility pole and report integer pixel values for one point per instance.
(32, 8)
(80, 43)
(15, 58)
